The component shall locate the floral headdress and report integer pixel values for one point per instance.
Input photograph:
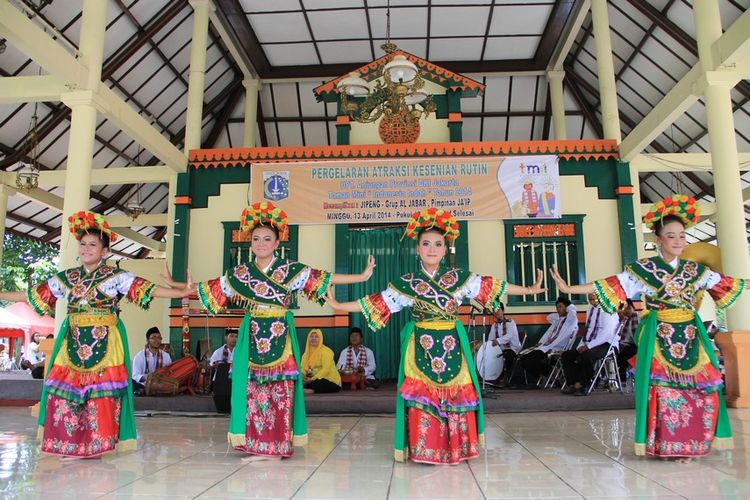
(82, 222)
(680, 205)
(265, 213)
(432, 218)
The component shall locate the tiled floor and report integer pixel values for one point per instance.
(531, 455)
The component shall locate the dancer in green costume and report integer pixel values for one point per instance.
(439, 415)
(680, 410)
(86, 408)
(268, 409)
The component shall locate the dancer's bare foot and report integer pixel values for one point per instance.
(684, 460)
(68, 458)
(309, 391)
(260, 458)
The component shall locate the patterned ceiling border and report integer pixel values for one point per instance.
(427, 70)
(233, 157)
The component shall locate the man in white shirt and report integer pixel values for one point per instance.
(149, 360)
(225, 353)
(563, 327)
(358, 358)
(504, 333)
(578, 363)
(221, 360)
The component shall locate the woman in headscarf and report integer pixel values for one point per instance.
(318, 368)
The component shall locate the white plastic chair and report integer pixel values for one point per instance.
(557, 370)
(607, 368)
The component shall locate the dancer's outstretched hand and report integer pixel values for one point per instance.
(537, 286)
(562, 285)
(330, 299)
(167, 277)
(368, 268)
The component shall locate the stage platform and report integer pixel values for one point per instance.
(19, 389)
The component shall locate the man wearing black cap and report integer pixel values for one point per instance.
(149, 360)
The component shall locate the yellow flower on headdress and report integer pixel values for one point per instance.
(265, 213)
(681, 205)
(80, 223)
(432, 218)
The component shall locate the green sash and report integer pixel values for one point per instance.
(401, 446)
(127, 418)
(240, 373)
(645, 337)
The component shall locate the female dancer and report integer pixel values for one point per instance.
(437, 381)
(267, 393)
(87, 399)
(680, 408)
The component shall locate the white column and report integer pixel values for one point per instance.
(171, 218)
(78, 170)
(196, 81)
(252, 87)
(730, 228)
(605, 71)
(3, 212)
(91, 43)
(556, 95)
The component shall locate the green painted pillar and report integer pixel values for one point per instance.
(626, 211)
(455, 119)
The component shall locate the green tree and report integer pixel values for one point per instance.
(26, 261)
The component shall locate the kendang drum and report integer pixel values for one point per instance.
(159, 384)
(489, 361)
(183, 370)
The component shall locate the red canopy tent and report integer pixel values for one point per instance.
(20, 321)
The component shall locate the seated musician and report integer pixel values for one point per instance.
(600, 333)
(563, 327)
(627, 349)
(221, 361)
(358, 358)
(225, 353)
(504, 333)
(148, 360)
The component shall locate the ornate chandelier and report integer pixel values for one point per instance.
(400, 95)
(399, 98)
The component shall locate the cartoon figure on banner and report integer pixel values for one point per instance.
(530, 199)
(275, 185)
(547, 201)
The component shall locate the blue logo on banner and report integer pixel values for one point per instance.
(276, 187)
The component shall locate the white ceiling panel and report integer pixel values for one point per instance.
(519, 19)
(463, 49)
(339, 24)
(266, 27)
(265, 5)
(411, 22)
(458, 21)
(345, 52)
(315, 133)
(511, 47)
(297, 54)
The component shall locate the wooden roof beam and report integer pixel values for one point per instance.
(25, 35)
